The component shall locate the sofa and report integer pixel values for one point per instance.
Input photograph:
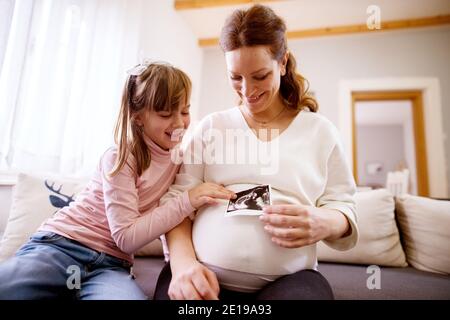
(403, 251)
(348, 281)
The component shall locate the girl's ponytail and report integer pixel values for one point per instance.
(126, 136)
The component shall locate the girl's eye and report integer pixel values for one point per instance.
(185, 113)
(235, 78)
(165, 115)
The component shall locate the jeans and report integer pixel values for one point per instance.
(50, 266)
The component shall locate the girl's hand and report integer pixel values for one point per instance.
(207, 193)
(194, 282)
(294, 226)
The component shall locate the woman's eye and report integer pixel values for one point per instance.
(235, 78)
(165, 115)
(262, 78)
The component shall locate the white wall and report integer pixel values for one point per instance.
(216, 93)
(166, 36)
(410, 151)
(327, 60)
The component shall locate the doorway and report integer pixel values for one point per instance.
(388, 135)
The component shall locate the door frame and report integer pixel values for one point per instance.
(415, 97)
(432, 109)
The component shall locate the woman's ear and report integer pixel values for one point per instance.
(284, 63)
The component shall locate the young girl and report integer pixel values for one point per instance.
(85, 251)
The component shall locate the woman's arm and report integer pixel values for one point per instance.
(333, 219)
(190, 279)
(338, 197)
(294, 226)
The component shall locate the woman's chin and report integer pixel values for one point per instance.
(256, 107)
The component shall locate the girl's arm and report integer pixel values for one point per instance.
(129, 229)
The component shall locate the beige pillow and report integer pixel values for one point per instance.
(379, 241)
(154, 248)
(425, 227)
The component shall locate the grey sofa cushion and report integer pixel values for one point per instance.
(347, 281)
(146, 270)
(350, 282)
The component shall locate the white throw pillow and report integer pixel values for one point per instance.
(379, 241)
(33, 202)
(425, 227)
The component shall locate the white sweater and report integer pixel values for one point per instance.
(304, 165)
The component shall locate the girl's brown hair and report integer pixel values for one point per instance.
(259, 25)
(161, 87)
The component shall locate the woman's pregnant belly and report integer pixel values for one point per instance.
(240, 243)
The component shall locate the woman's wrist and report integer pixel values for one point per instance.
(338, 225)
(181, 263)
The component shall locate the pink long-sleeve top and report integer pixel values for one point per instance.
(118, 215)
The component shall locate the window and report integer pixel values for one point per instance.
(62, 70)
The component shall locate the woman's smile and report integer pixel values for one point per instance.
(254, 99)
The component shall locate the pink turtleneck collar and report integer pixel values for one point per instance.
(156, 151)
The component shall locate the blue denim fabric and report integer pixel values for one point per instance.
(48, 265)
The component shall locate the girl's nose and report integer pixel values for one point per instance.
(178, 121)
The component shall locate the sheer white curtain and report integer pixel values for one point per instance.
(61, 80)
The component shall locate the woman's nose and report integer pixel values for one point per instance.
(247, 89)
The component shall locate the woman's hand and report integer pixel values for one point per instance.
(207, 193)
(294, 226)
(194, 282)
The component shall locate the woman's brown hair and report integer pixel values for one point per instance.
(161, 87)
(259, 25)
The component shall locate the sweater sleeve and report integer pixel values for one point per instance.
(338, 195)
(129, 229)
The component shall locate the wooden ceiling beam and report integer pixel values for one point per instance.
(357, 28)
(201, 4)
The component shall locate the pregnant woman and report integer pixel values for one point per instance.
(271, 256)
